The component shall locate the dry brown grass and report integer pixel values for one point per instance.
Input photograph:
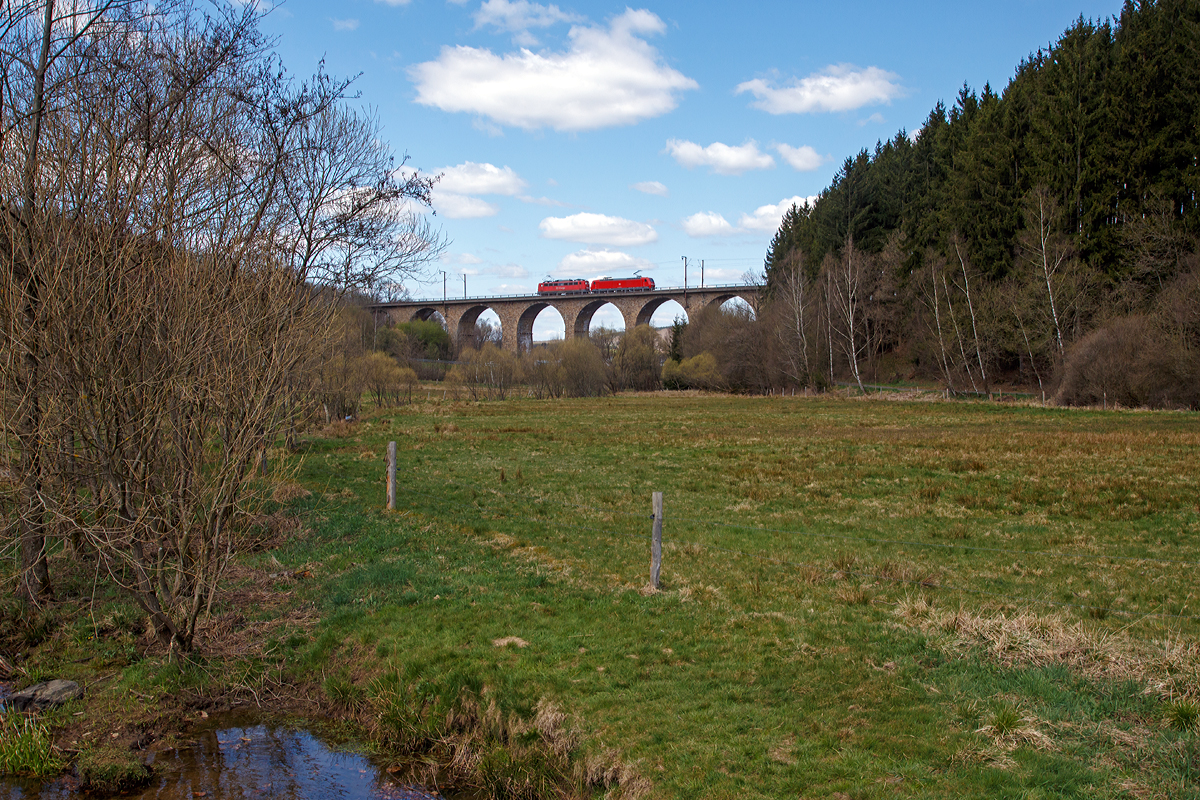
(782, 752)
(1168, 667)
(505, 641)
(458, 748)
(289, 491)
(231, 634)
(1020, 730)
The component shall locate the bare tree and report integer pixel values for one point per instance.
(635, 365)
(486, 373)
(35, 39)
(933, 299)
(1047, 251)
(178, 222)
(846, 284)
(966, 289)
(795, 299)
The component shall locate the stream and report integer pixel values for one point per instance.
(236, 759)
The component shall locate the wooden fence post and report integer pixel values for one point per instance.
(391, 477)
(656, 543)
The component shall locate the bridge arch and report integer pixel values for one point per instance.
(427, 313)
(583, 322)
(526, 320)
(721, 299)
(466, 323)
(646, 312)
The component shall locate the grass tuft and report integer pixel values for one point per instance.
(1182, 715)
(26, 747)
(1009, 727)
(1006, 719)
(853, 595)
(111, 770)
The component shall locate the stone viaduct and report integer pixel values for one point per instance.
(517, 312)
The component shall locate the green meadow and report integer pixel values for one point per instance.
(859, 598)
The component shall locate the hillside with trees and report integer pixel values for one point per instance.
(1044, 236)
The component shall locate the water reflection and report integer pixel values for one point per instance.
(254, 761)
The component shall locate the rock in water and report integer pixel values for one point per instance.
(46, 695)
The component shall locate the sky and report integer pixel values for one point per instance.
(589, 139)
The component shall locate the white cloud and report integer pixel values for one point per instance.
(461, 206)
(707, 223)
(517, 18)
(542, 201)
(839, 87)
(345, 24)
(803, 158)
(469, 268)
(394, 2)
(651, 187)
(598, 229)
(466, 259)
(721, 158)
(453, 195)
(597, 263)
(767, 218)
(764, 219)
(608, 76)
(508, 271)
(472, 178)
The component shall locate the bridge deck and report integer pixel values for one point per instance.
(437, 301)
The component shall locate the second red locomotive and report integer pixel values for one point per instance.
(638, 284)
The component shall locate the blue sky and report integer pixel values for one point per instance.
(594, 138)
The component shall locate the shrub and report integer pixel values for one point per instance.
(489, 372)
(1134, 362)
(635, 366)
(584, 373)
(698, 372)
(672, 375)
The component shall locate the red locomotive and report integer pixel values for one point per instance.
(564, 286)
(638, 284)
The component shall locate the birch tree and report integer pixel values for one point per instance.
(795, 299)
